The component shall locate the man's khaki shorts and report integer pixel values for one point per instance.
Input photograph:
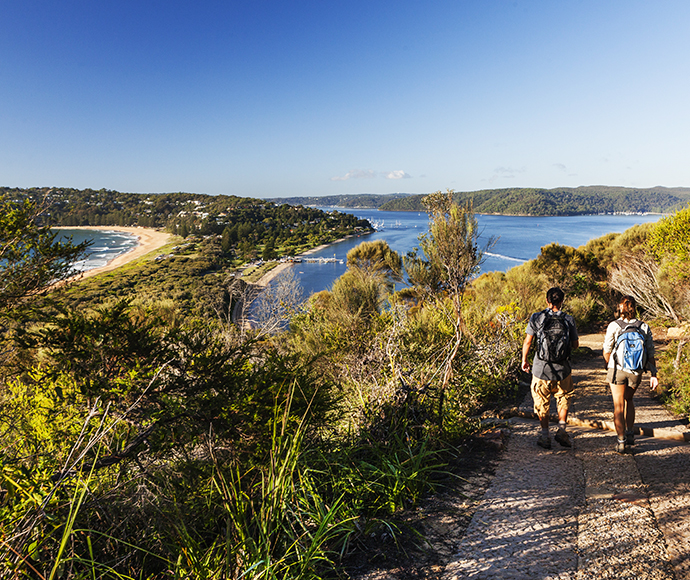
(542, 391)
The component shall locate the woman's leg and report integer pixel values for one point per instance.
(629, 409)
(619, 404)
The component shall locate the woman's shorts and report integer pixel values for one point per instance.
(623, 378)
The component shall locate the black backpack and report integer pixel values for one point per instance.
(553, 338)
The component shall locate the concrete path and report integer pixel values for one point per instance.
(585, 512)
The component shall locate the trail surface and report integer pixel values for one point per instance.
(585, 512)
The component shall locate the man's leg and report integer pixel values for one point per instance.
(541, 395)
(544, 421)
(564, 393)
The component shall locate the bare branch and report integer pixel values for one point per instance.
(638, 276)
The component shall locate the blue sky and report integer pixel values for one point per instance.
(268, 99)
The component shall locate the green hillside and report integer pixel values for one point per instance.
(561, 201)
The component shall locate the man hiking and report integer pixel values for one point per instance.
(551, 371)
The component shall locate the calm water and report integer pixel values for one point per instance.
(107, 245)
(520, 239)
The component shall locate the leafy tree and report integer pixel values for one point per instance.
(376, 256)
(269, 252)
(228, 239)
(452, 257)
(359, 294)
(175, 381)
(572, 269)
(451, 247)
(31, 259)
(669, 243)
(108, 351)
(247, 250)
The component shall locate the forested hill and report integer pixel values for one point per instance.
(87, 207)
(561, 201)
(351, 201)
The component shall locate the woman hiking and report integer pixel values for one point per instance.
(629, 352)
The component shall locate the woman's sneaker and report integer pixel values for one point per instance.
(630, 439)
(544, 441)
(621, 447)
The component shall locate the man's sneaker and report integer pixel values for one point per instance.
(563, 438)
(630, 439)
(544, 441)
(621, 447)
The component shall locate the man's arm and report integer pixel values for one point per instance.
(526, 345)
(651, 361)
(574, 338)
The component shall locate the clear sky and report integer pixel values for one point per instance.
(264, 98)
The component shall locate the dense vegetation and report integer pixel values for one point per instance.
(146, 435)
(560, 201)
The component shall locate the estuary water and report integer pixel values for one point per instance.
(519, 238)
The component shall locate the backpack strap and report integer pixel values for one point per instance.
(622, 324)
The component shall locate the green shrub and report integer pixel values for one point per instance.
(674, 376)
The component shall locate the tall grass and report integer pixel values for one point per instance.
(278, 525)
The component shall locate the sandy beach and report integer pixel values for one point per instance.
(148, 238)
(271, 275)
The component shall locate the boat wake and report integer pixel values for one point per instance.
(502, 257)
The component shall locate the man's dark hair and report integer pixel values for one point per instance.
(555, 296)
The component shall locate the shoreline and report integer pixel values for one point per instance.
(148, 240)
(272, 274)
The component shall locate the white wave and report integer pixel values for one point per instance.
(502, 257)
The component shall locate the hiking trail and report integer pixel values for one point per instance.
(577, 513)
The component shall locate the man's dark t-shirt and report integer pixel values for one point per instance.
(550, 371)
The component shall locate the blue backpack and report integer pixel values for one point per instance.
(630, 353)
